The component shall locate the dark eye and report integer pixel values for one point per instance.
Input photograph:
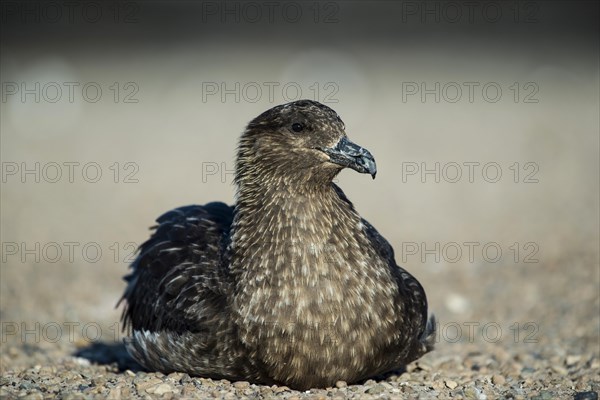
(297, 127)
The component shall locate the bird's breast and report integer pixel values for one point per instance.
(318, 305)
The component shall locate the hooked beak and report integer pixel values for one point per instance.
(348, 154)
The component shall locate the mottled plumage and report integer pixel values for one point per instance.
(289, 286)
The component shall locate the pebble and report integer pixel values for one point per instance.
(586, 396)
(451, 384)
(143, 384)
(473, 393)
(457, 303)
(241, 385)
(33, 396)
(498, 379)
(424, 366)
(559, 369)
(545, 395)
(176, 376)
(160, 389)
(377, 389)
(573, 359)
(114, 393)
(280, 389)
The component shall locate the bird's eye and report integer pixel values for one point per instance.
(297, 127)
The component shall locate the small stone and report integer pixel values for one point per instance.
(115, 393)
(582, 385)
(498, 379)
(160, 389)
(126, 392)
(457, 303)
(27, 385)
(586, 396)
(143, 384)
(437, 385)
(188, 390)
(99, 381)
(451, 384)
(377, 389)
(473, 393)
(79, 361)
(341, 384)
(175, 376)
(560, 370)
(281, 389)
(424, 366)
(241, 385)
(573, 359)
(546, 395)
(527, 371)
(318, 394)
(33, 396)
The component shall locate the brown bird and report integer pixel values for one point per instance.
(290, 285)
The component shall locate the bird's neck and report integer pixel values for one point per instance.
(291, 227)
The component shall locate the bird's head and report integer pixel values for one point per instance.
(299, 142)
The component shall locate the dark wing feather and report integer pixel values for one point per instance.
(410, 290)
(180, 281)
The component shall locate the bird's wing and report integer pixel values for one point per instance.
(409, 288)
(415, 300)
(179, 281)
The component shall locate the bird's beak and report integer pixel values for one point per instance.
(348, 154)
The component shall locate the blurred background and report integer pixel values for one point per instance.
(483, 119)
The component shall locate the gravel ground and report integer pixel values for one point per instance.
(554, 352)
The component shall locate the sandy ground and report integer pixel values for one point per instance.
(503, 234)
(514, 332)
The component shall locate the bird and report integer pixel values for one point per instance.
(288, 286)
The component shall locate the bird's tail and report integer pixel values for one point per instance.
(428, 336)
